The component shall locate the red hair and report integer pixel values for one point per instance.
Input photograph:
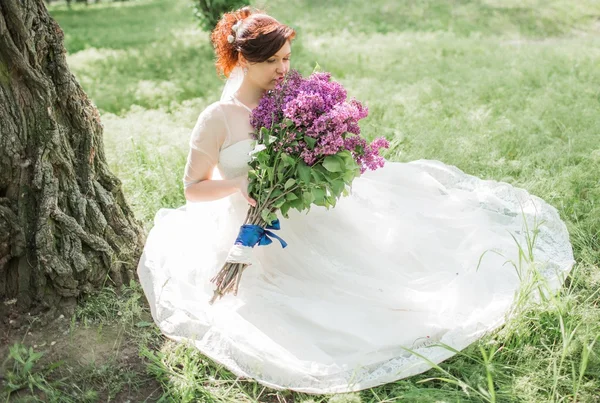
(259, 37)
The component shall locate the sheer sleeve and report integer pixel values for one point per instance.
(206, 139)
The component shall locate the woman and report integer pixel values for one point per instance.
(363, 291)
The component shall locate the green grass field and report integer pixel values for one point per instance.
(503, 89)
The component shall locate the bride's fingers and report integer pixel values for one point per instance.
(243, 186)
(251, 201)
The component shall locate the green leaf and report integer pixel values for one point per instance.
(281, 167)
(290, 182)
(345, 155)
(319, 196)
(270, 173)
(325, 174)
(284, 209)
(333, 163)
(319, 168)
(264, 134)
(337, 186)
(291, 196)
(272, 217)
(304, 172)
(350, 175)
(318, 177)
(297, 204)
(288, 122)
(308, 197)
(263, 159)
(275, 193)
(287, 159)
(279, 203)
(349, 161)
(265, 215)
(310, 142)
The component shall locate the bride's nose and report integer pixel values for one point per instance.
(282, 69)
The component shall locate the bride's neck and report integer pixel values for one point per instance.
(249, 93)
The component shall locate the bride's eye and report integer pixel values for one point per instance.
(271, 61)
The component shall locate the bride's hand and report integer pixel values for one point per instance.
(242, 184)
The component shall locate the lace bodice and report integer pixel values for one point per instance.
(220, 139)
(233, 160)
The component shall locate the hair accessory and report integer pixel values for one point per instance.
(235, 28)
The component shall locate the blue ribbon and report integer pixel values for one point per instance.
(252, 235)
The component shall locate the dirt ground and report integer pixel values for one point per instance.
(102, 356)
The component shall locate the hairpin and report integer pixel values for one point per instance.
(235, 28)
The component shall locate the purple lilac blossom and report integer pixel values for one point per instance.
(318, 108)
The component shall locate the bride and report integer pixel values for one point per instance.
(416, 260)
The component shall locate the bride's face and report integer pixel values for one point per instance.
(266, 74)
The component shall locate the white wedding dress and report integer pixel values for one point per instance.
(391, 270)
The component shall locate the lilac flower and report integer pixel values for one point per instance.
(316, 107)
(270, 106)
(366, 155)
(304, 108)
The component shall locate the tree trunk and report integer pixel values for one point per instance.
(65, 227)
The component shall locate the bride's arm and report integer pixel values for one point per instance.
(199, 185)
(213, 189)
(206, 140)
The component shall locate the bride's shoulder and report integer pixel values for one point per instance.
(210, 122)
(212, 111)
(217, 111)
(212, 116)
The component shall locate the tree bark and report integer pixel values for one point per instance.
(65, 227)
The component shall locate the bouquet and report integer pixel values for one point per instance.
(308, 150)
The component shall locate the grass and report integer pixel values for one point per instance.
(506, 90)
